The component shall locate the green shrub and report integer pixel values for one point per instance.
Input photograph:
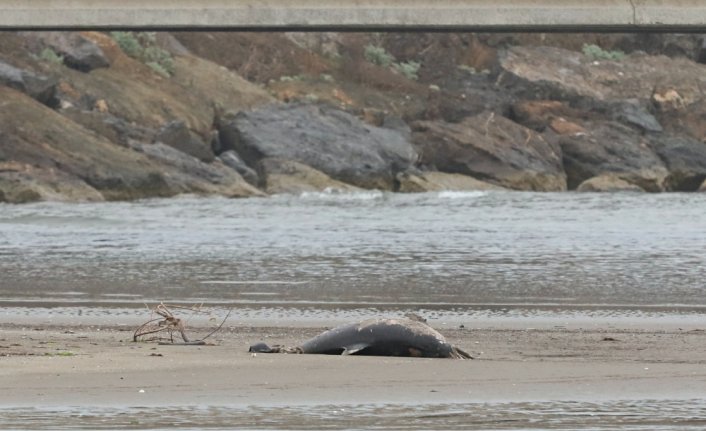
(597, 53)
(127, 41)
(155, 54)
(378, 55)
(158, 69)
(50, 56)
(142, 46)
(408, 69)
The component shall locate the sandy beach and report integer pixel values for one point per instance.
(94, 365)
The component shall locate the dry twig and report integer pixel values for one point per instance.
(170, 323)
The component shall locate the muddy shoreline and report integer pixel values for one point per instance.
(55, 365)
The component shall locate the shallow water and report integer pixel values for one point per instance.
(369, 249)
(551, 415)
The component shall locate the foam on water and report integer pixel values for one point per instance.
(461, 194)
(330, 194)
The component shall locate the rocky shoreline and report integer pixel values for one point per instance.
(90, 116)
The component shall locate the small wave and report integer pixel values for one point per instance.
(332, 194)
(449, 194)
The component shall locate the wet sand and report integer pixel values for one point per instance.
(46, 365)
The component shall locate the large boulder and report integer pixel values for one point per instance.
(87, 161)
(327, 139)
(491, 148)
(177, 135)
(54, 142)
(21, 183)
(612, 148)
(39, 87)
(187, 174)
(685, 159)
(287, 176)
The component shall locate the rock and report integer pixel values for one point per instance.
(39, 87)
(79, 52)
(329, 140)
(541, 72)
(561, 126)
(538, 114)
(232, 160)
(190, 175)
(136, 95)
(55, 142)
(685, 159)
(612, 148)
(177, 135)
(21, 183)
(633, 112)
(494, 149)
(113, 128)
(287, 176)
(702, 189)
(607, 183)
(440, 181)
(686, 121)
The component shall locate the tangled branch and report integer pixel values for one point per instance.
(170, 324)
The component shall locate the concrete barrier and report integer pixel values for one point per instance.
(516, 15)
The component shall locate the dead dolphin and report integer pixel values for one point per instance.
(376, 337)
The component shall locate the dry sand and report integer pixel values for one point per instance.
(47, 365)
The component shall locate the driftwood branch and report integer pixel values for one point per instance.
(170, 324)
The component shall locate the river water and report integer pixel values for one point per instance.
(326, 257)
(438, 250)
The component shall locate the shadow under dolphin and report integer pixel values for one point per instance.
(375, 337)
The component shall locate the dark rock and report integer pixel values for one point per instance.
(79, 52)
(634, 113)
(685, 159)
(399, 125)
(177, 135)
(612, 148)
(190, 175)
(231, 159)
(329, 140)
(41, 88)
(491, 148)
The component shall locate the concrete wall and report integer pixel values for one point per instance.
(630, 15)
